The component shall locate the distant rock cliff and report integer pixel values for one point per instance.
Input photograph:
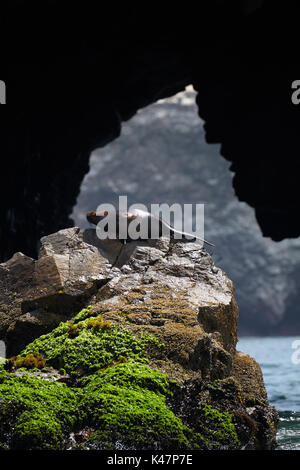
(140, 355)
(164, 149)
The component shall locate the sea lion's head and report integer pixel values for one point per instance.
(94, 217)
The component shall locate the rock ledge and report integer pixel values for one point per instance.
(173, 308)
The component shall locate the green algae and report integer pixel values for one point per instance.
(118, 398)
(127, 404)
(95, 345)
(34, 413)
(84, 313)
(218, 429)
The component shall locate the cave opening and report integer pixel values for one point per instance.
(162, 156)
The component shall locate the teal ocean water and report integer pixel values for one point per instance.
(279, 359)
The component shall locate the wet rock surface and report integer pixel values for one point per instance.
(167, 290)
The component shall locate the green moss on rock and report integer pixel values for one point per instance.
(127, 405)
(218, 429)
(89, 345)
(118, 401)
(34, 413)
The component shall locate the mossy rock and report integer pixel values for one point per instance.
(88, 345)
(127, 405)
(117, 397)
(35, 413)
(218, 429)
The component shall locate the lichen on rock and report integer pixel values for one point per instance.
(150, 362)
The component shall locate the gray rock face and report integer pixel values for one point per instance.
(161, 157)
(36, 294)
(175, 292)
(74, 265)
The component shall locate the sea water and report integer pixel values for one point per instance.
(279, 359)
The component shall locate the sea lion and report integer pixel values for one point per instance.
(143, 218)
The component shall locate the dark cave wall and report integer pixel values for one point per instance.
(74, 72)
